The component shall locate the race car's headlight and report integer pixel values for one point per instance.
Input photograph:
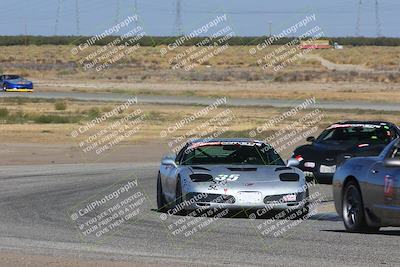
(309, 164)
(289, 177)
(201, 177)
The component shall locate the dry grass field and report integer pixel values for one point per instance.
(27, 124)
(233, 73)
(23, 120)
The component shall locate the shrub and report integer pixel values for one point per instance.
(93, 113)
(3, 112)
(60, 105)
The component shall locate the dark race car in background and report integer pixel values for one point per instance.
(342, 141)
(15, 83)
(366, 190)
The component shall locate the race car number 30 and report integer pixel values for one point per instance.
(226, 177)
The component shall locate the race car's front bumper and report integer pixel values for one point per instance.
(19, 88)
(196, 200)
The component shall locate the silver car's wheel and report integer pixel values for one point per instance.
(161, 203)
(179, 198)
(353, 210)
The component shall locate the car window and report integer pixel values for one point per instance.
(230, 154)
(373, 134)
(11, 77)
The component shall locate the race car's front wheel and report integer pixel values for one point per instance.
(353, 210)
(161, 203)
(4, 87)
(179, 208)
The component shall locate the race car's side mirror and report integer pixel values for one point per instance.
(292, 162)
(310, 139)
(168, 162)
(392, 163)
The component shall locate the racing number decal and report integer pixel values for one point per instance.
(388, 189)
(226, 177)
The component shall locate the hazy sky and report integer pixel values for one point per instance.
(246, 17)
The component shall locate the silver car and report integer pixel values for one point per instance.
(366, 190)
(231, 174)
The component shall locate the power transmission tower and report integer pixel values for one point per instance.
(77, 17)
(136, 13)
(178, 19)
(378, 21)
(135, 6)
(57, 17)
(358, 18)
(117, 11)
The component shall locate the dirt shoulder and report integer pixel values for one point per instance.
(18, 259)
(31, 154)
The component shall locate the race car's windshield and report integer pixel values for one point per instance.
(11, 77)
(231, 154)
(372, 134)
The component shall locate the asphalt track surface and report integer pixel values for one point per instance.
(35, 216)
(206, 101)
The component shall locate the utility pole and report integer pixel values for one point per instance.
(270, 28)
(77, 17)
(57, 17)
(26, 33)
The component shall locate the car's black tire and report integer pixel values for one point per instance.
(353, 213)
(161, 203)
(179, 198)
(4, 87)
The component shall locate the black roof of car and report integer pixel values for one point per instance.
(365, 122)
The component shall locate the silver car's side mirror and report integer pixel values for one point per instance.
(168, 162)
(392, 163)
(292, 162)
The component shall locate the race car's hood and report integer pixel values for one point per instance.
(338, 151)
(244, 173)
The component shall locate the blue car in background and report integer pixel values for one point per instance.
(15, 83)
